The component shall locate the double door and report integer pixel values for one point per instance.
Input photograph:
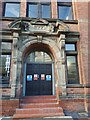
(38, 79)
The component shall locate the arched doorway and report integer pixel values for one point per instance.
(38, 74)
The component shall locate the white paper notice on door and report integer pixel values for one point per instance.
(42, 76)
(36, 76)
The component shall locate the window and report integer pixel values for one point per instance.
(38, 10)
(5, 62)
(72, 65)
(38, 56)
(65, 10)
(70, 47)
(11, 9)
(33, 10)
(45, 11)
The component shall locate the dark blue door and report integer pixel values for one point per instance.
(38, 79)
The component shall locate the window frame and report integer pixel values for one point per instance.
(71, 50)
(4, 9)
(73, 53)
(39, 4)
(67, 4)
(6, 53)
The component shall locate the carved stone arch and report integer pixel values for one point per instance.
(53, 46)
(29, 40)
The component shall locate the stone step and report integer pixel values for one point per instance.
(39, 105)
(39, 100)
(39, 110)
(40, 97)
(28, 116)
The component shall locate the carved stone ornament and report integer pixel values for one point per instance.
(62, 26)
(38, 25)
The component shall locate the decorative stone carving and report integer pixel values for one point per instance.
(62, 26)
(38, 25)
(39, 38)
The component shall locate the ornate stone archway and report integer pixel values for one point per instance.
(55, 42)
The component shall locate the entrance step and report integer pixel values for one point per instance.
(38, 107)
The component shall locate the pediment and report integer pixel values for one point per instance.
(39, 25)
(34, 25)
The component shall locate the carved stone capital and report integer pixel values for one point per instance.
(15, 35)
(14, 60)
(39, 38)
(63, 61)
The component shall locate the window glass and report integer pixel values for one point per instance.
(69, 47)
(33, 10)
(6, 47)
(12, 9)
(45, 11)
(5, 61)
(72, 70)
(5, 67)
(65, 12)
(38, 10)
(39, 56)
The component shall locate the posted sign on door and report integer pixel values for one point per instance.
(36, 76)
(42, 76)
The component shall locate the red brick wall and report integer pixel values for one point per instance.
(8, 107)
(23, 8)
(82, 13)
(82, 16)
(72, 104)
(5, 91)
(54, 8)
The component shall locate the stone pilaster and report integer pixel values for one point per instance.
(63, 65)
(19, 72)
(14, 65)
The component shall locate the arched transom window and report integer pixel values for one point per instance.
(38, 56)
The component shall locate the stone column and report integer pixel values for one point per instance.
(19, 74)
(63, 64)
(14, 64)
(59, 81)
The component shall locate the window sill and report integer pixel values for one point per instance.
(49, 19)
(78, 86)
(70, 21)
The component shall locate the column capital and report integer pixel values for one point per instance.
(61, 37)
(15, 34)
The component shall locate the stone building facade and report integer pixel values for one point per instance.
(44, 52)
